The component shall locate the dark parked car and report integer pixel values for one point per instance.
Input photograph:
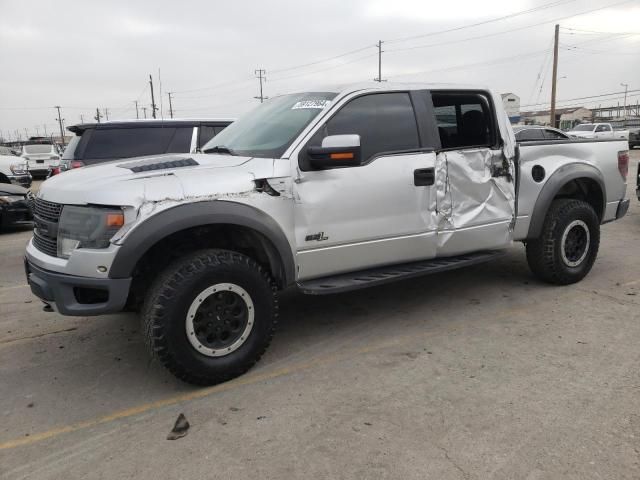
(532, 132)
(634, 138)
(101, 142)
(14, 205)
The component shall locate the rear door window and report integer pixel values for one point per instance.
(530, 134)
(464, 120)
(553, 135)
(133, 142)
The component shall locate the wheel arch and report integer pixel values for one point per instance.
(572, 180)
(4, 178)
(217, 215)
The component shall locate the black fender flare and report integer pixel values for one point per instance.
(182, 217)
(553, 185)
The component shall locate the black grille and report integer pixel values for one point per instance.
(45, 244)
(47, 210)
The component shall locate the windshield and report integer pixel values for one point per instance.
(270, 129)
(586, 127)
(38, 148)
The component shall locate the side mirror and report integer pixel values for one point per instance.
(336, 151)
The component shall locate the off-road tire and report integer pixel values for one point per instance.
(169, 298)
(544, 253)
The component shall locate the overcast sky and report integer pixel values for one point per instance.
(87, 54)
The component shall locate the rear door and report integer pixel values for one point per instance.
(474, 174)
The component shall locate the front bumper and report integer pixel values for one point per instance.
(77, 296)
(22, 180)
(16, 213)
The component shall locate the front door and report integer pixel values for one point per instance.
(474, 175)
(348, 219)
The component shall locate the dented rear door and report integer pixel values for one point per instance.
(475, 174)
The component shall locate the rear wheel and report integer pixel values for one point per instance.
(568, 246)
(210, 316)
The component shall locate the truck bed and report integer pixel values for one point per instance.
(558, 158)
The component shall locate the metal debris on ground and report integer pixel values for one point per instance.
(180, 428)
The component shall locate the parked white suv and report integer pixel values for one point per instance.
(40, 157)
(327, 191)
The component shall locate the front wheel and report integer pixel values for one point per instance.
(568, 245)
(210, 316)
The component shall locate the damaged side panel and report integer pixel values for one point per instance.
(475, 208)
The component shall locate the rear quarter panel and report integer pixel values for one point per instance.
(602, 155)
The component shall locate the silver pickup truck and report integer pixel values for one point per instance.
(326, 191)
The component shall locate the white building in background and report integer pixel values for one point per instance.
(511, 103)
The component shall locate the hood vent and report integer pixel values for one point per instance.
(151, 164)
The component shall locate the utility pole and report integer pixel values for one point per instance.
(626, 87)
(81, 118)
(57, 107)
(260, 74)
(26, 133)
(170, 106)
(45, 130)
(144, 109)
(98, 115)
(106, 113)
(379, 45)
(153, 101)
(137, 114)
(554, 80)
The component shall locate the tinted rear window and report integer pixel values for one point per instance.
(530, 134)
(135, 142)
(38, 148)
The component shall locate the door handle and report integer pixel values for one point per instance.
(424, 177)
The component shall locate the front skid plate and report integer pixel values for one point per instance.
(380, 275)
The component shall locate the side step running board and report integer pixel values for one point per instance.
(378, 276)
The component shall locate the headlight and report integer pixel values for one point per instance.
(18, 169)
(10, 198)
(87, 227)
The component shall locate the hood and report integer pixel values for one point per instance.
(11, 160)
(135, 181)
(9, 189)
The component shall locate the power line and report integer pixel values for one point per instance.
(485, 22)
(324, 69)
(466, 65)
(584, 98)
(351, 52)
(494, 34)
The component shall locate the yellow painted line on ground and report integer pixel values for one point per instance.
(242, 381)
(14, 287)
(37, 335)
(249, 380)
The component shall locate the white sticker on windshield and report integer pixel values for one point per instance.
(320, 104)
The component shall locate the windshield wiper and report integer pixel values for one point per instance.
(220, 149)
